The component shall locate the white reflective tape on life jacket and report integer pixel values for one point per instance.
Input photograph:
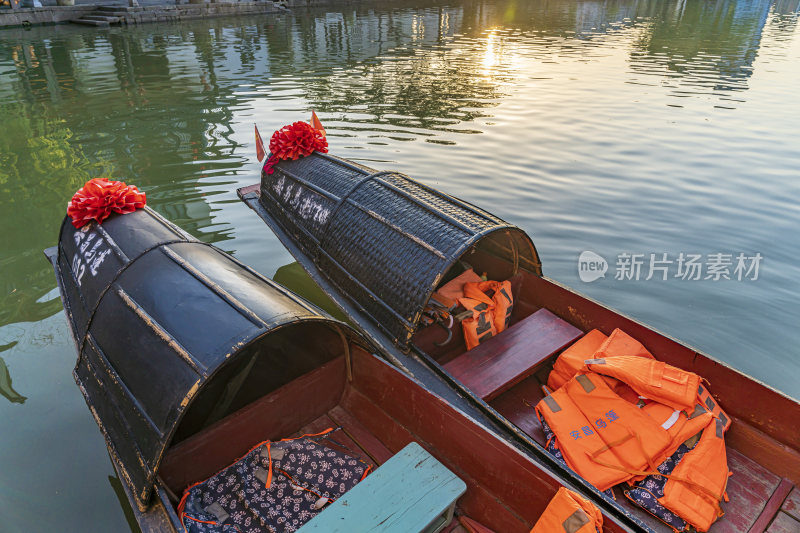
(669, 422)
(594, 361)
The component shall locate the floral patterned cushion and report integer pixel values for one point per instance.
(648, 491)
(306, 476)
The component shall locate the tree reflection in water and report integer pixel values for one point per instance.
(6, 389)
(156, 105)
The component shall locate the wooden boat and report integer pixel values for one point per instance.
(380, 244)
(188, 358)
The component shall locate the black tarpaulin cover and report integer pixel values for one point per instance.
(156, 316)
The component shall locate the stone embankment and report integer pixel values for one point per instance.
(104, 16)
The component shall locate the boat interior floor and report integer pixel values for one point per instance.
(352, 437)
(760, 500)
(356, 440)
(379, 412)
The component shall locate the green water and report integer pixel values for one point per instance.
(632, 126)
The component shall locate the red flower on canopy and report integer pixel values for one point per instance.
(100, 197)
(294, 141)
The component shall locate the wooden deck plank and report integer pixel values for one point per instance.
(317, 425)
(501, 362)
(339, 440)
(773, 455)
(772, 507)
(517, 404)
(784, 523)
(749, 488)
(792, 504)
(740, 512)
(752, 476)
(355, 430)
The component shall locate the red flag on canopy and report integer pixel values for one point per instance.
(316, 124)
(260, 152)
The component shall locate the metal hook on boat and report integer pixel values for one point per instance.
(449, 329)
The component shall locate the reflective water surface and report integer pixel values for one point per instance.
(619, 126)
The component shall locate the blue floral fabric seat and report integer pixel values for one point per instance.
(277, 487)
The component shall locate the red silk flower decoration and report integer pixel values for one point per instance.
(294, 141)
(100, 197)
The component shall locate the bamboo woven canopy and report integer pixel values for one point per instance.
(383, 239)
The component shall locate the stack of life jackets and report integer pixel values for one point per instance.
(488, 305)
(491, 304)
(617, 415)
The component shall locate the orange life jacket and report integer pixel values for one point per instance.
(570, 361)
(707, 402)
(620, 343)
(673, 396)
(680, 425)
(568, 512)
(490, 315)
(671, 399)
(602, 437)
(595, 344)
(695, 489)
(652, 379)
(449, 293)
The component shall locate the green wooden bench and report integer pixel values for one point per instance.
(410, 493)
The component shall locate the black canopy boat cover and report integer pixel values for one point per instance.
(381, 239)
(170, 331)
